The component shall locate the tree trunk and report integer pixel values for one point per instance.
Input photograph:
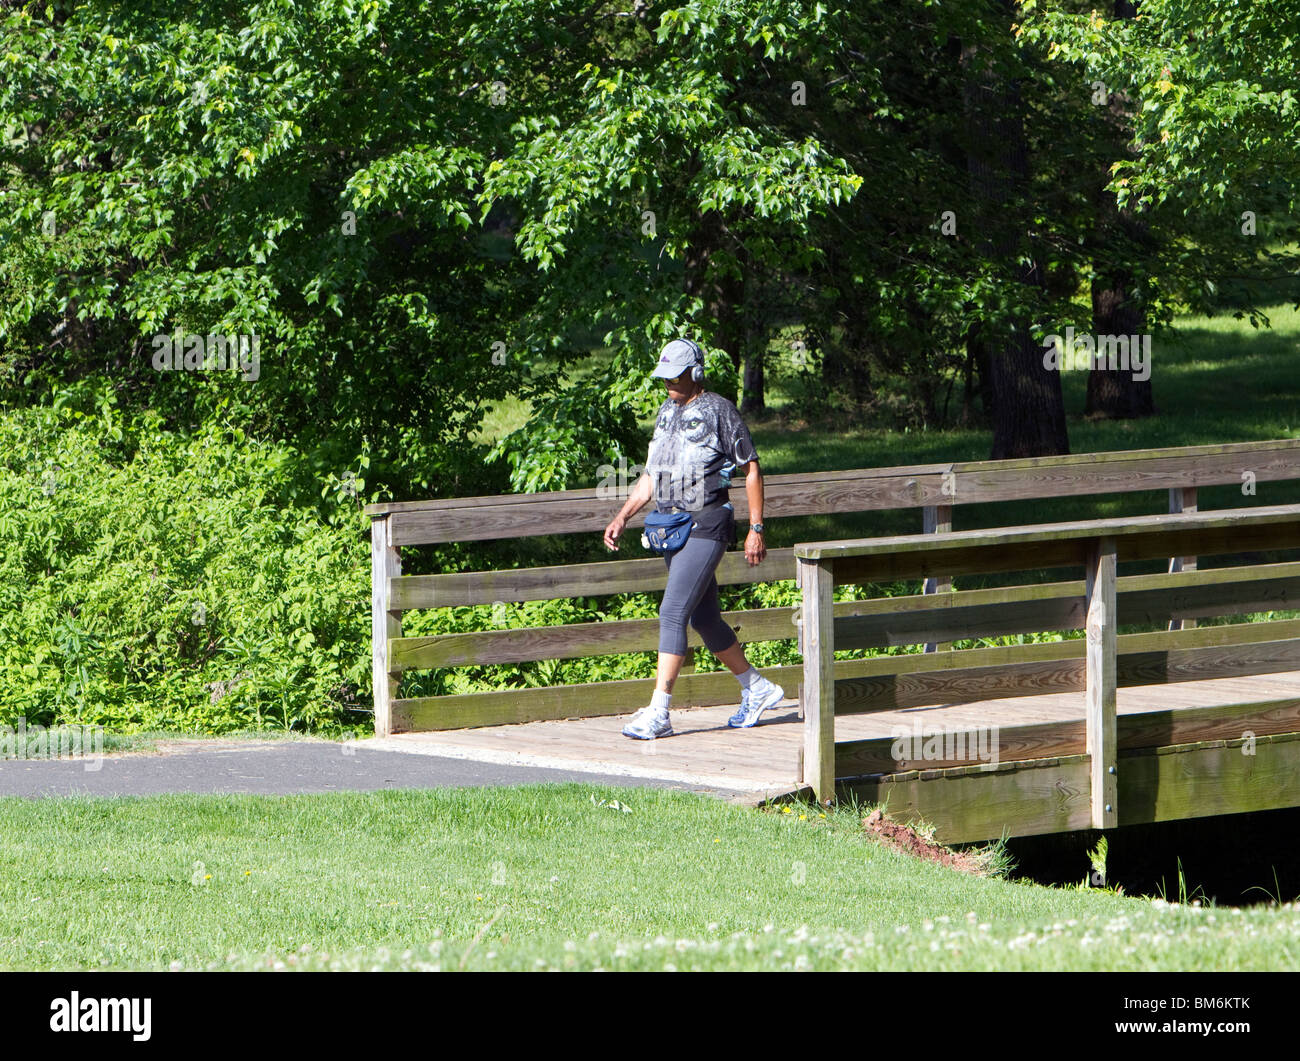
(721, 293)
(1028, 408)
(977, 378)
(1115, 393)
(752, 403)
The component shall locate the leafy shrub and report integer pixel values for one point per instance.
(157, 580)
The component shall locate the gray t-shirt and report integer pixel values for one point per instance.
(695, 449)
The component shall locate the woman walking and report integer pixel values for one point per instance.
(699, 442)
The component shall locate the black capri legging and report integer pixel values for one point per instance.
(692, 592)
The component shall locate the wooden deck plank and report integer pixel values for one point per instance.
(765, 757)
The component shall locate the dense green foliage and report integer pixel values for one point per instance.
(162, 581)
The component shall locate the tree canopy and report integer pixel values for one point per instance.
(421, 210)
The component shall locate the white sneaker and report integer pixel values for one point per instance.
(647, 724)
(754, 703)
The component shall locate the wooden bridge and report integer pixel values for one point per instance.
(1092, 731)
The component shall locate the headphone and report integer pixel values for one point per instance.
(697, 370)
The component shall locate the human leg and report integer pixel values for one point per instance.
(690, 572)
(757, 693)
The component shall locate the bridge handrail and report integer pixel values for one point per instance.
(935, 488)
(1097, 546)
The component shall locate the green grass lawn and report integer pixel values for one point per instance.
(543, 877)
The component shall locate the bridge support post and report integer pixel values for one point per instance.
(1100, 577)
(385, 563)
(1182, 499)
(937, 519)
(817, 582)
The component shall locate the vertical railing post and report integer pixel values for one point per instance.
(817, 581)
(385, 563)
(1182, 499)
(1100, 695)
(937, 519)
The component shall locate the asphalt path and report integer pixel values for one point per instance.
(285, 767)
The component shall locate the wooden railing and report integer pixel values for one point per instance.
(934, 488)
(1095, 666)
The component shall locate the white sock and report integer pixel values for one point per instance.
(661, 700)
(750, 679)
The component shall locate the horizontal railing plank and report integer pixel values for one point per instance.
(1142, 600)
(860, 490)
(593, 700)
(1027, 670)
(588, 492)
(512, 585)
(932, 748)
(1021, 481)
(571, 580)
(592, 514)
(1057, 544)
(579, 640)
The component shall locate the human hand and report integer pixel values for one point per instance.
(755, 549)
(613, 532)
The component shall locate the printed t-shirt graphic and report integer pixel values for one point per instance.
(695, 449)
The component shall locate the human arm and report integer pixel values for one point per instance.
(641, 495)
(755, 547)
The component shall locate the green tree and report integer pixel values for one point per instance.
(1214, 157)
